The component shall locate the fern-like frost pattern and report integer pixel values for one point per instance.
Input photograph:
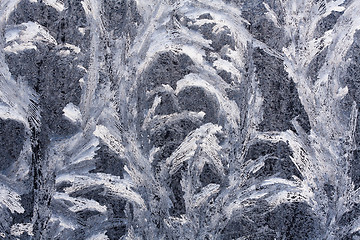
(192, 119)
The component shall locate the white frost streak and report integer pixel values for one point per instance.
(84, 152)
(344, 31)
(20, 228)
(205, 193)
(203, 138)
(151, 111)
(159, 121)
(80, 204)
(15, 113)
(276, 181)
(195, 53)
(112, 141)
(221, 64)
(113, 184)
(66, 49)
(6, 8)
(72, 112)
(10, 199)
(99, 236)
(25, 35)
(271, 14)
(59, 6)
(64, 223)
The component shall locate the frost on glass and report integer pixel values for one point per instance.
(179, 119)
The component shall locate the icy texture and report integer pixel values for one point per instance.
(191, 119)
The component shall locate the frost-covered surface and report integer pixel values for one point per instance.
(191, 119)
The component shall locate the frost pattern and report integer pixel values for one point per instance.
(162, 193)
